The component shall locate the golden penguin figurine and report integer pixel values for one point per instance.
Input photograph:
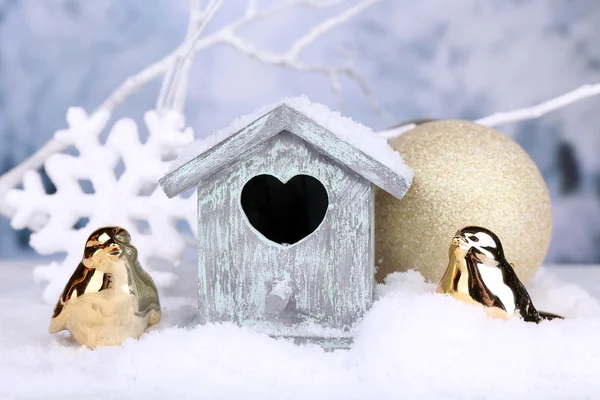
(109, 297)
(479, 273)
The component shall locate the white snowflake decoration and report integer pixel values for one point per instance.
(124, 173)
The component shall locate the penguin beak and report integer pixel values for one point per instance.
(460, 242)
(115, 251)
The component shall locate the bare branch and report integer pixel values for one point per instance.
(319, 3)
(541, 109)
(176, 96)
(175, 68)
(227, 34)
(522, 114)
(321, 29)
(396, 131)
(290, 58)
(366, 89)
(250, 9)
(174, 71)
(279, 8)
(283, 60)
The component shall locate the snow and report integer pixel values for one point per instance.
(412, 344)
(345, 128)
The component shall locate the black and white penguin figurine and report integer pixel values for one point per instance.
(478, 272)
(109, 297)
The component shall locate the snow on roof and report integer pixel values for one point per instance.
(341, 139)
(345, 128)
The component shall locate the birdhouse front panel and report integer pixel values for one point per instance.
(286, 218)
(285, 240)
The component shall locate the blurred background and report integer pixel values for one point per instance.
(422, 59)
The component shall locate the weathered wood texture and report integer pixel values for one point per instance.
(279, 119)
(326, 279)
(345, 153)
(223, 154)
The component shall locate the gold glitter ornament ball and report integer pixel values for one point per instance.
(465, 174)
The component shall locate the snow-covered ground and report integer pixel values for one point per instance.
(412, 344)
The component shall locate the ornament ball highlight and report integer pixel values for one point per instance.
(465, 174)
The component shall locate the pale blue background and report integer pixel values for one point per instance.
(428, 58)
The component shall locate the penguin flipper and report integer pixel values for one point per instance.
(526, 307)
(58, 323)
(523, 301)
(75, 286)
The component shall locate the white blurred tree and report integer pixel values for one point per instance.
(167, 119)
(114, 181)
(175, 67)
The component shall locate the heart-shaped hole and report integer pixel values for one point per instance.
(285, 213)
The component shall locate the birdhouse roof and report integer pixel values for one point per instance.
(340, 138)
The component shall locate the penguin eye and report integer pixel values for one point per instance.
(474, 238)
(122, 237)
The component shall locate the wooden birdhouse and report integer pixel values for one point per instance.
(285, 220)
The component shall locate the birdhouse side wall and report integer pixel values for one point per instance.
(326, 279)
